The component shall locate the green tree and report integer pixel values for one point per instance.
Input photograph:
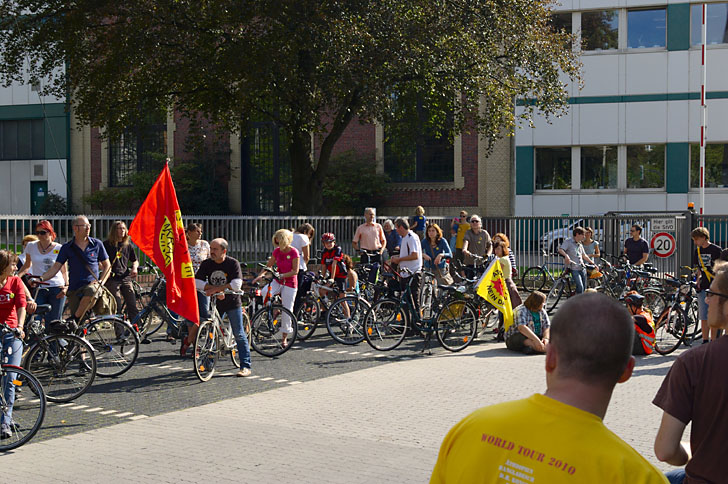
(352, 185)
(309, 65)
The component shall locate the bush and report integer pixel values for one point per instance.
(54, 204)
(352, 184)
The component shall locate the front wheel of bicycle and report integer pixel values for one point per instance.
(654, 301)
(28, 411)
(308, 317)
(534, 279)
(385, 325)
(206, 350)
(267, 326)
(555, 294)
(150, 322)
(670, 331)
(345, 319)
(64, 365)
(457, 326)
(115, 344)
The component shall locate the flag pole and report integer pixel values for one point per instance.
(703, 109)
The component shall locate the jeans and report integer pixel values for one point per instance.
(12, 354)
(579, 277)
(235, 316)
(48, 296)
(676, 476)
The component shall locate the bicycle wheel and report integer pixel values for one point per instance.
(670, 331)
(266, 331)
(308, 317)
(385, 325)
(150, 321)
(65, 365)
(534, 279)
(206, 350)
(487, 319)
(456, 325)
(694, 331)
(554, 295)
(345, 320)
(115, 344)
(654, 301)
(27, 411)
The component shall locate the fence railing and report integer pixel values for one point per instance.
(532, 239)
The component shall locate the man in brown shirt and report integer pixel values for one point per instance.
(696, 390)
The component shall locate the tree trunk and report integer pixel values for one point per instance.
(307, 198)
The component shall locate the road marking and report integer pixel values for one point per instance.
(67, 404)
(294, 382)
(35, 400)
(282, 380)
(93, 409)
(379, 355)
(405, 358)
(79, 407)
(154, 365)
(124, 414)
(176, 368)
(340, 352)
(165, 366)
(330, 351)
(353, 352)
(107, 412)
(137, 417)
(319, 349)
(252, 377)
(224, 374)
(266, 378)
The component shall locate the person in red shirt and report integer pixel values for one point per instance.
(12, 315)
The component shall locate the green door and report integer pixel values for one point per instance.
(38, 193)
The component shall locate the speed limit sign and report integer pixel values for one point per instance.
(663, 244)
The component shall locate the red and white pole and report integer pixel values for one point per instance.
(704, 109)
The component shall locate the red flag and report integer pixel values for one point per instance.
(158, 231)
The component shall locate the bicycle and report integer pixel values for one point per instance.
(386, 323)
(215, 339)
(535, 277)
(155, 312)
(267, 324)
(63, 363)
(26, 412)
(672, 323)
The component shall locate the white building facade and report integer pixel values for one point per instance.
(630, 141)
(34, 141)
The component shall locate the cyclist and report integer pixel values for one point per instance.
(475, 242)
(705, 255)
(286, 257)
(419, 222)
(124, 267)
(370, 237)
(215, 275)
(644, 326)
(12, 314)
(574, 258)
(39, 257)
(436, 252)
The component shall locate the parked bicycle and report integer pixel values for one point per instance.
(535, 278)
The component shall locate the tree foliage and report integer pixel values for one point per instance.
(308, 65)
(352, 185)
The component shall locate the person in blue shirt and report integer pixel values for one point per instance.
(394, 240)
(419, 222)
(88, 263)
(435, 254)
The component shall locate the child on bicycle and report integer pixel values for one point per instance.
(332, 259)
(12, 315)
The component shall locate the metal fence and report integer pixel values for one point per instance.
(534, 240)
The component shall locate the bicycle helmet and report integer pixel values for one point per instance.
(328, 237)
(634, 298)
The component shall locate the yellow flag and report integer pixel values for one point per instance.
(492, 287)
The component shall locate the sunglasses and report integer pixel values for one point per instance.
(41, 232)
(709, 293)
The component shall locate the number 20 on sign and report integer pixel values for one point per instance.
(663, 244)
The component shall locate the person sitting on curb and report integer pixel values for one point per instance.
(530, 330)
(644, 325)
(558, 436)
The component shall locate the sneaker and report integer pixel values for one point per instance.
(244, 372)
(5, 432)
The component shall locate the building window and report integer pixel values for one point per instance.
(599, 30)
(137, 149)
(553, 168)
(716, 166)
(716, 24)
(599, 167)
(561, 21)
(646, 28)
(646, 166)
(22, 140)
(414, 152)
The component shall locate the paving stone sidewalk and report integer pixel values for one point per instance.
(381, 424)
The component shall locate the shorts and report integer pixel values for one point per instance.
(515, 342)
(702, 306)
(74, 297)
(340, 284)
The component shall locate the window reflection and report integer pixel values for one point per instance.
(646, 28)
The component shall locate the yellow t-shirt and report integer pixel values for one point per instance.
(462, 228)
(538, 440)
